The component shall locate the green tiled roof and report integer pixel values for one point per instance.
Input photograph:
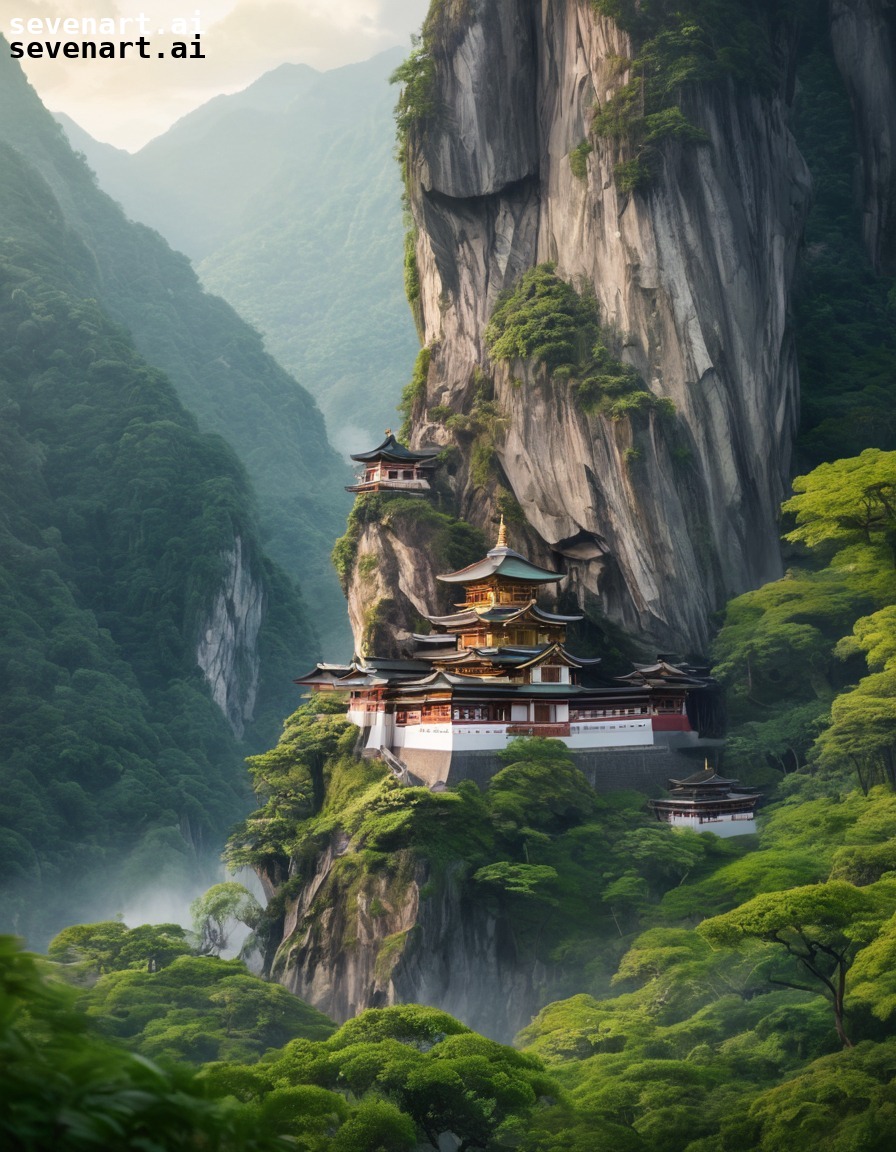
(502, 562)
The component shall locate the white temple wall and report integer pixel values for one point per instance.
(725, 826)
(616, 734)
(381, 726)
(494, 737)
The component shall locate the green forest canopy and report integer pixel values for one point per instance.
(116, 519)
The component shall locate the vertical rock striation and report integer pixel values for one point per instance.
(863, 33)
(657, 523)
(227, 650)
(403, 938)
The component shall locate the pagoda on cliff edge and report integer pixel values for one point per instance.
(391, 467)
(498, 668)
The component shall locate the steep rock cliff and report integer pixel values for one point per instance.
(656, 524)
(227, 650)
(388, 558)
(863, 33)
(354, 940)
(389, 590)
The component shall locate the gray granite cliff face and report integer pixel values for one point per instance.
(227, 650)
(390, 589)
(657, 525)
(863, 33)
(403, 939)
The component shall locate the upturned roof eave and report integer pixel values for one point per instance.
(504, 562)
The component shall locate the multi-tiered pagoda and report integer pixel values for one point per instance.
(498, 667)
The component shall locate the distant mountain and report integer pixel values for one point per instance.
(215, 360)
(288, 199)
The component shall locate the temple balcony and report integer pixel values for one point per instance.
(411, 487)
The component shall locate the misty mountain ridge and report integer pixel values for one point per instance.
(149, 641)
(288, 199)
(215, 360)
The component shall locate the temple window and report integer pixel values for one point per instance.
(471, 713)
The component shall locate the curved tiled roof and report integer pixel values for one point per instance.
(502, 561)
(390, 449)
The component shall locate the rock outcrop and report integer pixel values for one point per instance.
(352, 942)
(389, 589)
(392, 550)
(863, 33)
(656, 525)
(227, 649)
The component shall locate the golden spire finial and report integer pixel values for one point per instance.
(502, 534)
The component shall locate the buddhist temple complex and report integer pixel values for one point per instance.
(707, 802)
(391, 467)
(498, 667)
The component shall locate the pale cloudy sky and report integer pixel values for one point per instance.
(128, 102)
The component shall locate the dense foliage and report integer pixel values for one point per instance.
(199, 1009)
(765, 1027)
(845, 312)
(63, 1089)
(810, 660)
(116, 520)
(544, 319)
(153, 989)
(528, 847)
(714, 1029)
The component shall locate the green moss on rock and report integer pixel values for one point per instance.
(545, 320)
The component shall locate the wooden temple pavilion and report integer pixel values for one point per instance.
(708, 802)
(498, 667)
(391, 467)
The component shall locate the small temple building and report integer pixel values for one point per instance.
(708, 802)
(391, 467)
(499, 667)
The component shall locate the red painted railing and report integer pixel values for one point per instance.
(538, 730)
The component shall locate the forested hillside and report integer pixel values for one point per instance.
(844, 306)
(128, 538)
(732, 996)
(215, 361)
(287, 198)
(663, 989)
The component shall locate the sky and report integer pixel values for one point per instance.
(128, 102)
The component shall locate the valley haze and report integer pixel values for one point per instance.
(126, 104)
